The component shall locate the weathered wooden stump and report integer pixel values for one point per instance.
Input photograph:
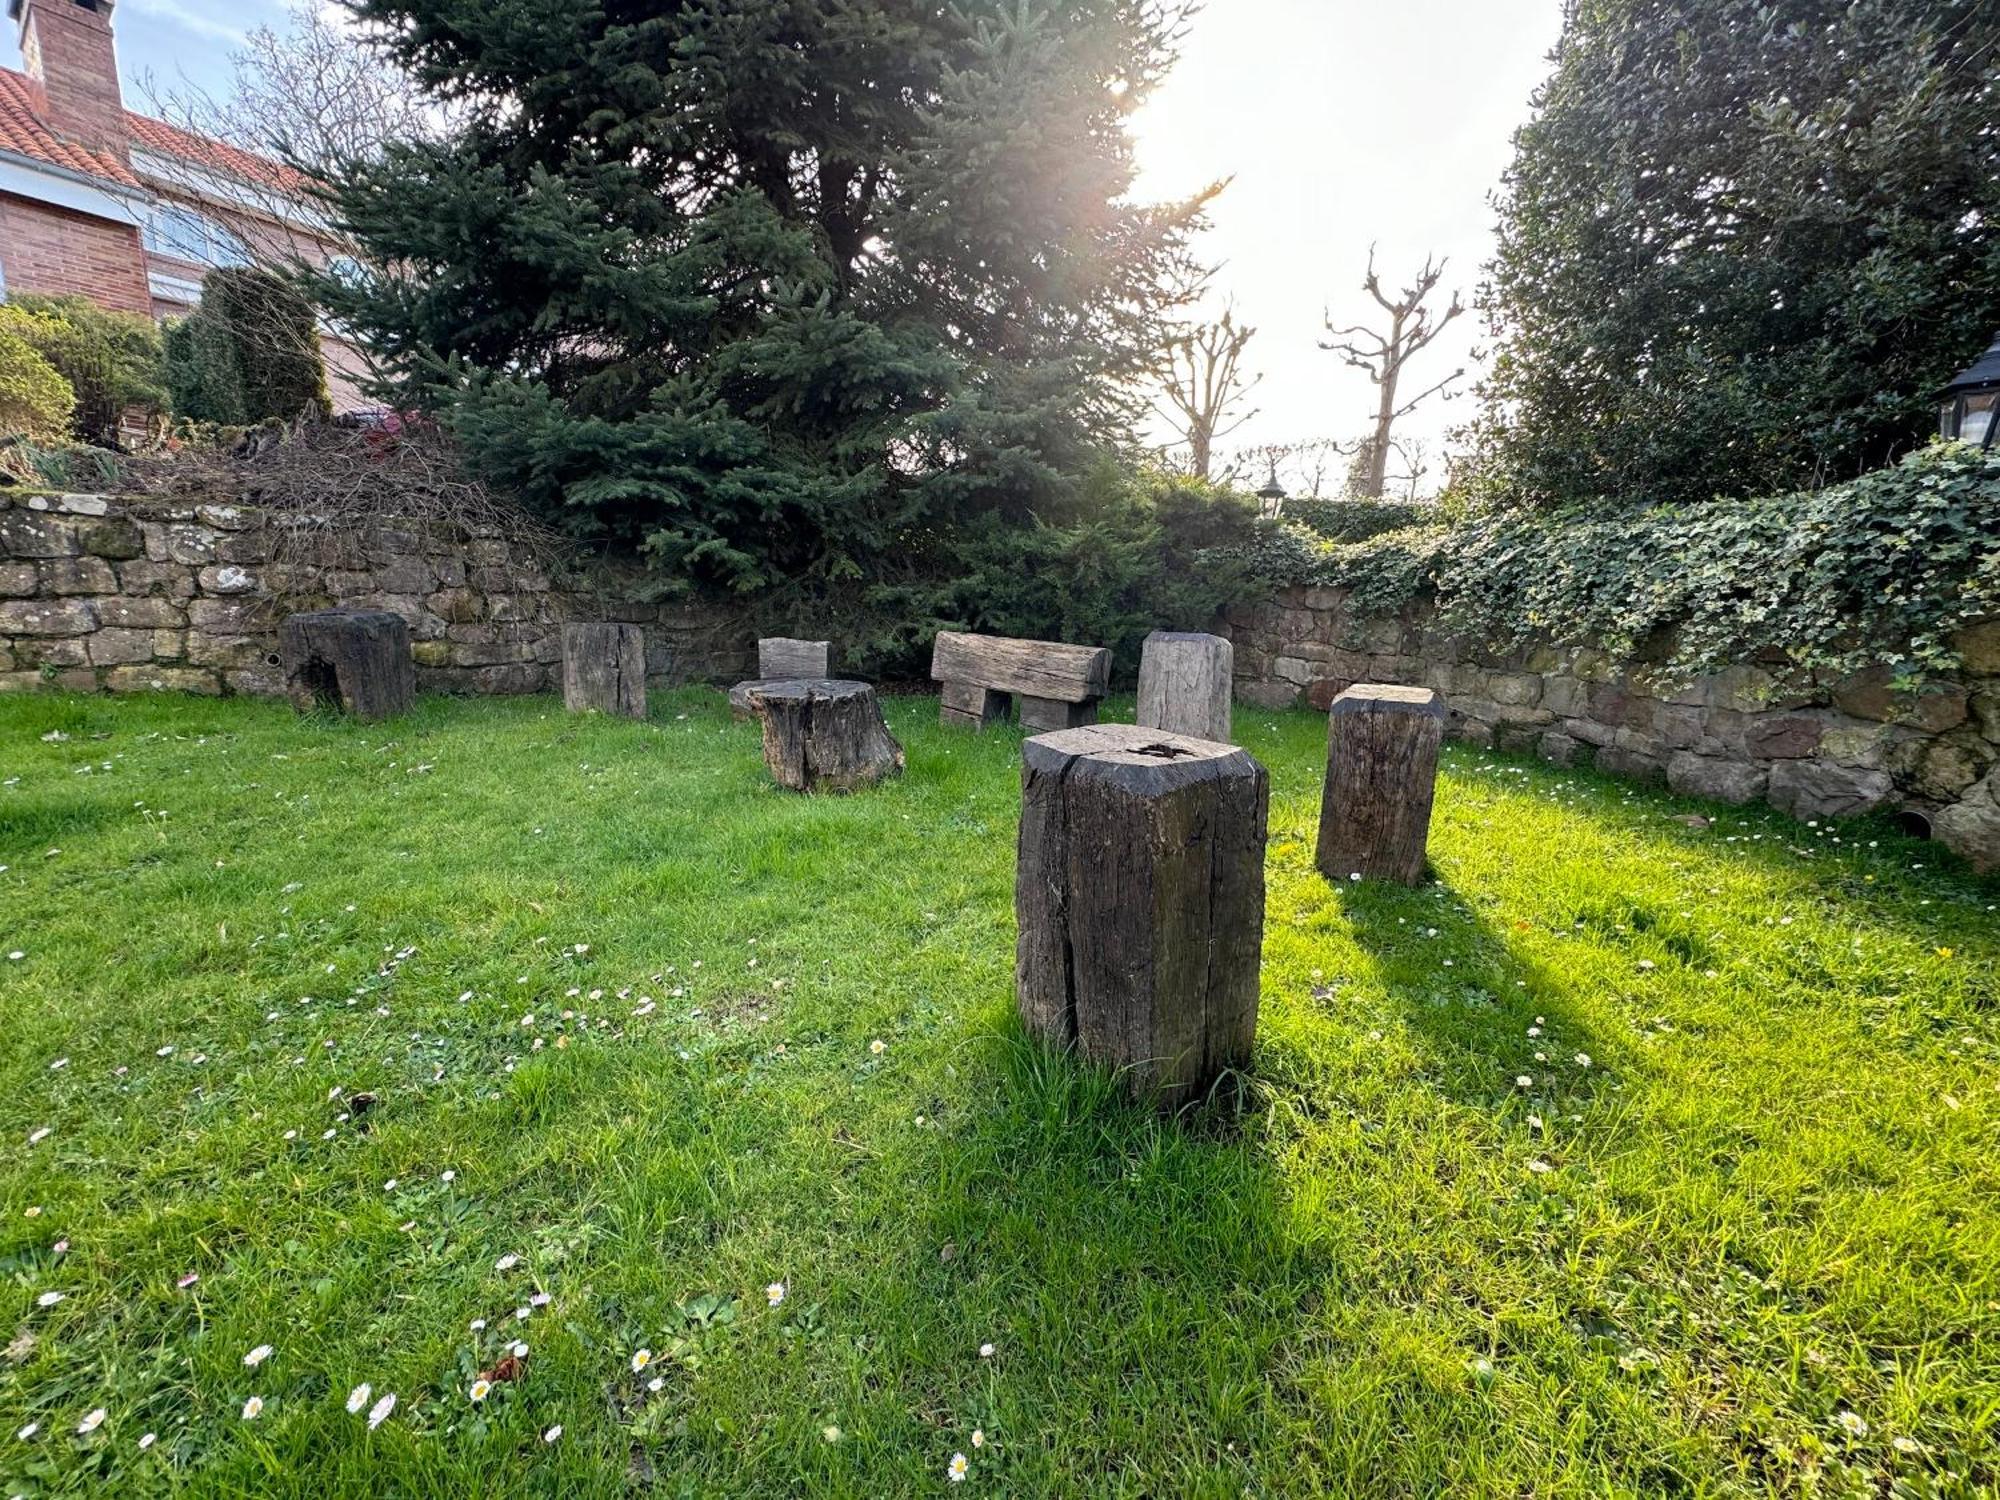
(604, 668)
(1058, 684)
(1184, 683)
(824, 735)
(782, 659)
(1381, 772)
(356, 662)
(1139, 894)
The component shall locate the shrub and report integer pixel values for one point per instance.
(1356, 520)
(35, 400)
(1881, 569)
(248, 353)
(110, 359)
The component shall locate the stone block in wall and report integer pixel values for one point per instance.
(1944, 768)
(20, 682)
(446, 680)
(1870, 694)
(25, 534)
(1565, 697)
(1970, 827)
(472, 635)
(450, 572)
(512, 609)
(1560, 749)
(179, 541)
(163, 680)
(143, 613)
(548, 649)
(1978, 647)
(404, 575)
(1470, 732)
(517, 677)
(1719, 780)
(230, 652)
(164, 580)
(119, 647)
(495, 654)
(47, 617)
(1821, 789)
(227, 578)
(51, 651)
(487, 551)
(1516, 688)
(1265, 693)
(1589, 731)
(1852, 742)
(75, 505)
(18, 580)
(1677, 726)
(432, 653)
(114, 537)
(1591, 665)
(1295, 670)
(391, 544)
(240, 616)
(247, 549)
(61, 576)
(1323, 599)
(1632, 763)
(455, 606)
(224, 517)
(1752, 690)
(1516, 738)
(1782, 736)
(1984, 706)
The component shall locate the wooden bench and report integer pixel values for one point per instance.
(1058, 685)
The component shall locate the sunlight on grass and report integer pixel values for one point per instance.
(1631, 1156)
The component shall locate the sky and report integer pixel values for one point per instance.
(1340, 124)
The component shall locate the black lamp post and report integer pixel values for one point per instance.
(1273, 493)
(1972, 401)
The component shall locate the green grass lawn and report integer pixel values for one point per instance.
(1631, 1157)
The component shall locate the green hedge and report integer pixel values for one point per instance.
(1357, 520)
(248, 353)
(110, 359)
(1881, 569)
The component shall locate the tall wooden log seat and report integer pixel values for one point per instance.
(1139, 897)
(1381, 773)
(355, 662)
(780, 658)
(1059, 685)
(604, 669)
(1184, 683)
(823, 735)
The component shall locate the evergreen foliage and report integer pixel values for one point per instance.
(1742, 245)
(35, 400)
(1879, 570)
(773, 290)
(248, 353)
(111, 360)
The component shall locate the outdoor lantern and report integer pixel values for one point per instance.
(1971, 400)
(1273, 493)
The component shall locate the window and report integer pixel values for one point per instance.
(186, 235)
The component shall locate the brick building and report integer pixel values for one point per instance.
(127, 210)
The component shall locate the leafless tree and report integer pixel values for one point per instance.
(1383, 353)
(1301, 470)
(1201, 371)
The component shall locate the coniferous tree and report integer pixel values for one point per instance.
(771, 288)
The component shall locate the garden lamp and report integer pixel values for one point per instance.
(1972, 399)
(1273, 494)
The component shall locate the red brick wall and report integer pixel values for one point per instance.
(70, 52)
(53, 251)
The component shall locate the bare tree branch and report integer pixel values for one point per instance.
(1414, 322)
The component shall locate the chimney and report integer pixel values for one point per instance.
(68, 50)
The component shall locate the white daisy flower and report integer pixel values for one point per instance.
(480, 1389)
(955, 1471)
(553, 1433)
(775, 1293)
(641, 1359)
(358, 1397)
(253, 1408)
(379, 1412)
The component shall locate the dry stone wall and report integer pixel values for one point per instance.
(101, 592)
(1810, 745)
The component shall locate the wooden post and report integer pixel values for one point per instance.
(1040, 715)
(1139, 898)
(604, 668)
(356, 662)
(781, 657)
(1184, 683)
(1381, 773)
(823, 735)
(972, 706)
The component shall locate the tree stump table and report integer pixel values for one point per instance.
(357, 663)
(1184, 684)
(824, 735)
(604, 668)
(1381, 774)
(1139, 894)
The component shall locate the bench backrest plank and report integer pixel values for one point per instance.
(1036, 669)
